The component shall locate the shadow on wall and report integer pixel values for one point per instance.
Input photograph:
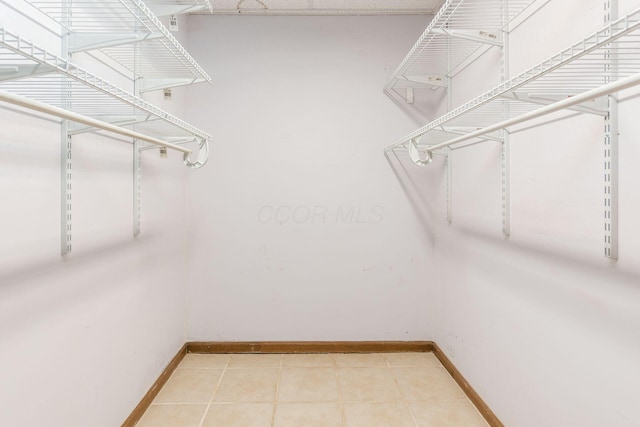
(424, 107)
(420, 185)
(597, 296)
(37, 289)
(549, 255)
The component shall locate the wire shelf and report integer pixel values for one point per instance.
(608, 55)
(129, 32)
(459, 32)
(31, 71)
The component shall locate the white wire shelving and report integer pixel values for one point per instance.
(458, 34)
(31, 71)
(112, 32)
(582, 78)
(129, 33)
(606, 56)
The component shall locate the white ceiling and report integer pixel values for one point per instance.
(325, 7)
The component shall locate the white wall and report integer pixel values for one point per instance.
(542, 325)
(300, 122)
(82, 337)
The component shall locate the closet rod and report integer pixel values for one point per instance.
(79, 118)
(552, 108)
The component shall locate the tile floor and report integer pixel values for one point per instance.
(311, 390)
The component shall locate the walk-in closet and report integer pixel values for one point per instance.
(319, 213)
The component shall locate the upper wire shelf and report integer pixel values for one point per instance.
(129, 33)
(31, 71)
(606, 56)
(458, 33)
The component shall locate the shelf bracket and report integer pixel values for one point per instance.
(121, 121)
(426, 81)
(505, 152)
(80, 42)
(409, 95)
(161, 10)
(15, 72)
(598, 106)
(147, 85)
(463, 130)
(491, 37)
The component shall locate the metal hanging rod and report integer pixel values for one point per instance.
(575, 70)
(30, 104)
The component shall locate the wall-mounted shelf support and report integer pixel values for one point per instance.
(19, 71)
(449, 186)
(82, 42)
(611, 142)
(505, 149)
(491, 37)
(593, 106)
(505, 180)
(426, 81)
(137, 187)
(178, 7)
(65, 188)
(464, 130)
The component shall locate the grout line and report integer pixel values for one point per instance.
(404, 399)
(215, 390)
(475, 408)
(335, 370)
(275, 397)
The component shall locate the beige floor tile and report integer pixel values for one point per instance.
(216, 361)
(360, 360)
(255, 361)
(308, 360)
(367, 384)
(247, 385)
(239, 415)
(189, 386)
(308, 384)
(412, 359)
(451, 413)
(427, 384)
(172, 416)
(379, 414)
(308, 415)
